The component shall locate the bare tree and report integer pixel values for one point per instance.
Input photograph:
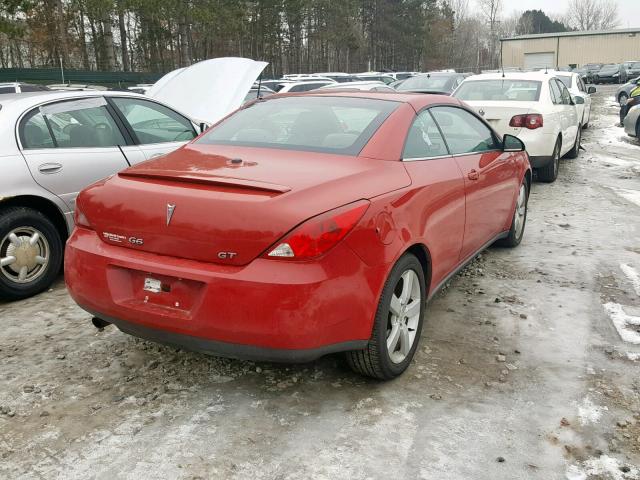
(592, 14)
(491, 11)
(460, 10)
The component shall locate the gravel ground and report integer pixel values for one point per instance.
(528, 368)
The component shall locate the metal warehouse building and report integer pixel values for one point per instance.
(571, 48)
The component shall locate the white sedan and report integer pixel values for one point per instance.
(536, 107)
(581, 94)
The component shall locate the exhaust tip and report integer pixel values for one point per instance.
(99, 323)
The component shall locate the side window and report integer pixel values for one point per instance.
(424, 139)
(463, 132)
(566, 96)
(82, 123)
(34, 132)
(32, 88)
(581, 85)
(154, 123)
(7, 90)
(556, 95)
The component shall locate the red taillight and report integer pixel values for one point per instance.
(80, 218)
(319, 234)
(530, 121)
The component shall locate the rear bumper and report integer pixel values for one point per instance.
(230, 350)
(267, 310)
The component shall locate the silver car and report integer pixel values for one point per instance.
(622, 95)
(52, 145)
(632, 122)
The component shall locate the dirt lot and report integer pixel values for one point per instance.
(528, 369)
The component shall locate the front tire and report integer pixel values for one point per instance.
(397, 325)
(519, 220)
(549, 173)
(30, 253)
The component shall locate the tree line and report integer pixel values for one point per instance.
(294, 36)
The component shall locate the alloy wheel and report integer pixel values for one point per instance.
(521, 211)
(24, 255)
(404, 316)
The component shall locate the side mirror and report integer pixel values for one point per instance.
(203, 127)
(578, 100)
(591, 90)
(512, 144)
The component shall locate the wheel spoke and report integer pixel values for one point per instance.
(40, 260)
(23, 273)
(405, 342)
(395, 305)
(7, 261)
(407, 286)
(413, 309)
(13, 238)
(34, 239)
(392, 339)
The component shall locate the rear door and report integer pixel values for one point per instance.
(439, 198)
(156, 128)
(489, 175)
(570, 118)
(71, 144)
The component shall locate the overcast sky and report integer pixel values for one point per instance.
(628, 10)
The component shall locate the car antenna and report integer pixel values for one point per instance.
(259, 85)
(501, 60)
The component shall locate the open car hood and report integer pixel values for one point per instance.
(207, 91)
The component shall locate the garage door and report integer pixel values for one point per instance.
(539, 60)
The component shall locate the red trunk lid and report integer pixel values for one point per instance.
(227, 204)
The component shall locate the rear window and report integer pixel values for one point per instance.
(565, 79)
(499, 90)
(426, 82)
(319, 124)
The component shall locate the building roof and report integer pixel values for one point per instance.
(629, 31)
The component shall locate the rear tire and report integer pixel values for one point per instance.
(383, 358)
(31, 252)
(549, 172)
(622, 99)
(575, 151)
(519, 220)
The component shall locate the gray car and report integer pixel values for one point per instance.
(632, 122)
(622, 95)
(52, 145)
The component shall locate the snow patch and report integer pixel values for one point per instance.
(623, 322)
(633, 276)
(605, 466)
(589, 412)
(634, 357)
(630, 195)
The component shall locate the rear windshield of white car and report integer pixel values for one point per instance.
(324, 124)
(499, 90)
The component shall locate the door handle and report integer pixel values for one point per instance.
(473, 175)
(48, 168)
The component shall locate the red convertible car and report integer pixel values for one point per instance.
(298, 226)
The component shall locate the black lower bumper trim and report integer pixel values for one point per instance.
(230, 350)
(540, 161)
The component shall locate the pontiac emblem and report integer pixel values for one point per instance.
(171, 207)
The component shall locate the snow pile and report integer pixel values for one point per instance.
(624, 323)
(608, 468)
(633, 276)
(589, 412)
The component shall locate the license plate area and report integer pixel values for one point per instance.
(145, 289)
